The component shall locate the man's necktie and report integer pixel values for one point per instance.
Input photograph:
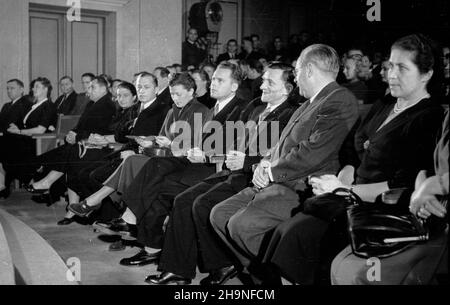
(62, 101)
(264, 114)
(216, 109)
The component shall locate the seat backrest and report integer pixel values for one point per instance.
(65, 124)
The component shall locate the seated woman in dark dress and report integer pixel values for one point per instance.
(417, 264)
(393, 143)
(18, 146)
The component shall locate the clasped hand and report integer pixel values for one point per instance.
(235, 160)
(163, 141)
(423, 200)
(261, 177)
(196, 155)
(71, 137)
(326, 184)
(97, 139)
(13, 128)
(144, 143)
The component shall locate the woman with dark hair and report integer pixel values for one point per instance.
(19, 146)
(393, 144)
(203, 82)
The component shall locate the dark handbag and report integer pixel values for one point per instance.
(382, 230)
(330, 206)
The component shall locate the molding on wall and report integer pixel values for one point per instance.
(117, 3)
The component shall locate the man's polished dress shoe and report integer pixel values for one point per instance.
(65, 221)
(167, 278)
(117, 226)
(141, 259)
(82, 209)
(219, 276)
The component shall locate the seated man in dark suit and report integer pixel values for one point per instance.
(65, 104)
(149, 197)
(14, 111)
(163, 77)
(11, 113)
(231, 52)
(188, 229)
(83, 98)
(309, 145)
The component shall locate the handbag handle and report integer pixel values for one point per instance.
(349, 194)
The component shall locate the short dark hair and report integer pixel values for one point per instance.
(129, 86)
(116, 80)
(108, 79)
(46, 83)
(236, 73)
(256, 65)
(139, 73)
(232, 40)
(288, 73)
(17, 81)
(164, 72)
(184, 79)
(150, 75)
(101, 81)
(425, 56)
(90, 75)
(247, 38)
(255, 36)
(66, 77)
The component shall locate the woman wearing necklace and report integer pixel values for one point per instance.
(394, 142)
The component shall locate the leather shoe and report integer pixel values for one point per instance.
(166, 278)
(219, 276)
(141, 259)
(82, 209)
(128, 231)
(30, 188)
(65, 221)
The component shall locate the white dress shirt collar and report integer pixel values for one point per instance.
(225, 102)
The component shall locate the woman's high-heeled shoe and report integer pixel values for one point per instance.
(82, 209)
(30, 188)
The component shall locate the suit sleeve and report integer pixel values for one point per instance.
(97, 122)
(333, 122)
(421, 141)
